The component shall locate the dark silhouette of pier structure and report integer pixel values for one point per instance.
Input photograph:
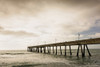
(82, 46)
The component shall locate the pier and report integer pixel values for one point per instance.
(82, 46)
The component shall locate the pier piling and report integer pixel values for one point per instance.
(65, 50)
(70, 50)
(60, 51)
(53, 49)
(56, 50)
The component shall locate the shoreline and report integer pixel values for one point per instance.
(29, 59)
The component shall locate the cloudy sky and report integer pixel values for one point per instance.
(33, 22)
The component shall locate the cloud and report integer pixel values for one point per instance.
(15, 7)
(33, 7)
(1, 28)
(96, 35)
(97, 23)
(47, 20)
(16, 33)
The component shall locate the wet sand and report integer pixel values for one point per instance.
(29, 59)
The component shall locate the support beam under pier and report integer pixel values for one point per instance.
(70, 50)
(60, 51)
(83, 50)
(56, 50)
(65, 50)
(88, 50)
(53, 49)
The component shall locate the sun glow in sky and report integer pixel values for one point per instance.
(34, 22)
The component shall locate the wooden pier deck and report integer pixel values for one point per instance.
(82, 44)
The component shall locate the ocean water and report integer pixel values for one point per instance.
(22, 58)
